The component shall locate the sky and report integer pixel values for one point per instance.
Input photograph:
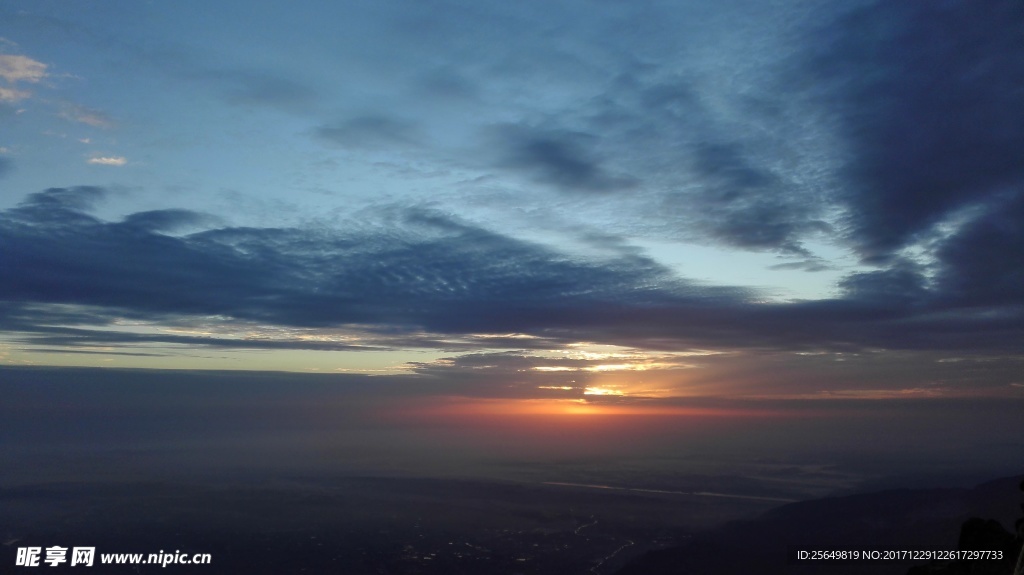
(559, 207)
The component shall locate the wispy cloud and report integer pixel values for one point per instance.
(373, 132)
(16, 69)
(84, 115)
(566, 160)
(11, 95)
(108, 160)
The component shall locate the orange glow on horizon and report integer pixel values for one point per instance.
(513, 408)
(565, 427)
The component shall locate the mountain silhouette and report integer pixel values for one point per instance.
(947, 519)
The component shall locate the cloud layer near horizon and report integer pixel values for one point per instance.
(420, 271)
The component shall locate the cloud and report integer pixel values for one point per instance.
(108, 160)
(566, 160)
(671, 157)
(373, 132)
(927, 96)
(69, 201)
(809, 265)
(16, 69)
(737, 169)
(416, 274)
(569, 373)
(81, 114)
(70, 338)
(897, 285)
(447, 86)
(11, 95)
(983, 262)
(167, 220)
(507, 374)
(92, 352)
(263, 88)
(745, 205)
(423, 277)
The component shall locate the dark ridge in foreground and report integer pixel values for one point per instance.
(896, 519)
(354, 525)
